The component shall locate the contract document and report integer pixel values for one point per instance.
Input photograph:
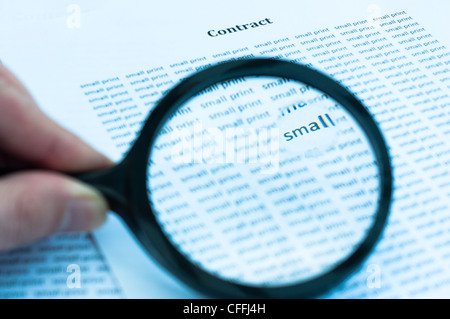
(99, 68)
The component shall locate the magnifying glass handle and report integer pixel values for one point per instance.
(110, 182)
(4, 171)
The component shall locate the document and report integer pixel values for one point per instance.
(66, 266)
(105, 67)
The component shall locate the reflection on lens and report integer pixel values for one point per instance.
(263, 181)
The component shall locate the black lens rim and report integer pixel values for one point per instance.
(146, 228)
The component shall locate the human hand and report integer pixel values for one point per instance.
(40, 201)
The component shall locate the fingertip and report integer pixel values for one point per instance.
(86, 209)
(37, 205)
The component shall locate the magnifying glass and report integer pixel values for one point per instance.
(255, 178)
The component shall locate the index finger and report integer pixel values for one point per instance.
(27, 133)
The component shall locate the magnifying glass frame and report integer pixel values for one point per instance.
(126, 185)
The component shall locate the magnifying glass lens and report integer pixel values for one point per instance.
(263, 181)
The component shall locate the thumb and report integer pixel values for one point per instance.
(37, 204)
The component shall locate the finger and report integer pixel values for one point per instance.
(38, 204)
(26, 132)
